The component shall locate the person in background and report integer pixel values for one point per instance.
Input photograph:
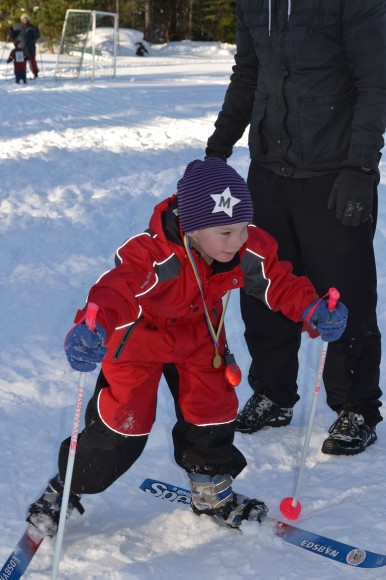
(19, 59)
(30, 37)
(163, 304)
(310, 80)
(141, 49)
(27, 34)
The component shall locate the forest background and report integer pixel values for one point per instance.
(160, 20)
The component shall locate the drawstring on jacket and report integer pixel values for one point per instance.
(270, 14)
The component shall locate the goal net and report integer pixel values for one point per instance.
(88, 46)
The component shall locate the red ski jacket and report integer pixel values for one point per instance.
(151, 308)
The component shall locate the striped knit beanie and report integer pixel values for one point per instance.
(211, 193)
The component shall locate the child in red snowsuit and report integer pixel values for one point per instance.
(162, 306)
(19, 58)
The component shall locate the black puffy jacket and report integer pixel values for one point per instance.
(310, 79)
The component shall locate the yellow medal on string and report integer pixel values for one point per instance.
(217, 359)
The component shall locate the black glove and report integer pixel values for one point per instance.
(212, 153)
(352, 195)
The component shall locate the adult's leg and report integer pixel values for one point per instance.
(341, 256)
(272, 339)
(335, 255)
(33, 66)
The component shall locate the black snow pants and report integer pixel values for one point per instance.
(294, 211)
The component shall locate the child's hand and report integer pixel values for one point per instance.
(84, 347)
(329, 323)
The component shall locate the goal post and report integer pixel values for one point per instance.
(88, 43)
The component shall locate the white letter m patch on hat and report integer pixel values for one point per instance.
(225, 202)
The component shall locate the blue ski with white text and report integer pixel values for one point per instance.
(21, 556)
(315, 543)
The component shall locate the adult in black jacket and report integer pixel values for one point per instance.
(28, 36)
(310, 80)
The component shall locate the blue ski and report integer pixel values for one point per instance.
(314, 543)
(22, 555)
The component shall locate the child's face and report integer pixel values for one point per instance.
(220, 243)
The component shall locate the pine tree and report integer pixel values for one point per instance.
(159, 20)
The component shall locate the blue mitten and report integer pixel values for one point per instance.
(329, 323)
(84, 347)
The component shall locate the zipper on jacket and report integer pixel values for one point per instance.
(125, 338)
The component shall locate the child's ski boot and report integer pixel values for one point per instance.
(213, 496)
(44, 513)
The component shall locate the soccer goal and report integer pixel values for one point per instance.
(88, 46)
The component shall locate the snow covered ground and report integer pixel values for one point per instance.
(82, 164)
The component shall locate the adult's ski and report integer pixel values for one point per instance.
(22, 554)
(314, 543)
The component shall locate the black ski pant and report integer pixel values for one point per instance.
(294, 211)
(103, 455)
